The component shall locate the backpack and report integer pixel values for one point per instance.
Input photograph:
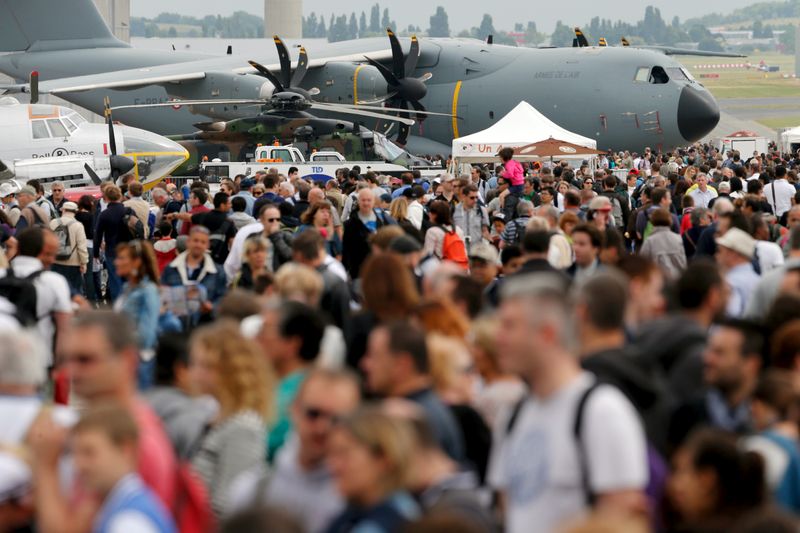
(21, 292)
(192, 505)
(132, 225)
(38, 217)
(453, 249)
(65, 246)
(656, 465)
(616, 210)
(648, 229)
(219, 243)
(520, 233)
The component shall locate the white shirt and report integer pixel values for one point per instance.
(784, 192)
(52, 296)
(415, 214)
(770, 256)
(537, 464)
(233, 264)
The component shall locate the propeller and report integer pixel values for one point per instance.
(602, 42)
(119, 164)
(624, 41)
(580, 38)
(92, 174)
(34, 87)
(288, 81)
(403, 91)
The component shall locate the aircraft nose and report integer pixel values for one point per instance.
(155, 156)
(698, 114)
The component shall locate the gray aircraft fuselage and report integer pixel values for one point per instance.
(625, 98)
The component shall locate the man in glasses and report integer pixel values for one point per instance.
(300, 482)
(473, 219)
(57, 196)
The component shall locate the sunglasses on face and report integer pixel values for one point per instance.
(273, 219)
(472, 197)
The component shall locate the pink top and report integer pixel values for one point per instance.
(512, 171)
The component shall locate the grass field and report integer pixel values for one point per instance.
(742, 83)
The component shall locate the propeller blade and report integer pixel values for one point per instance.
(34, 87)
(192, 102)
(420, 111)
(286, 61)
(387, 74)
(402, 135)
(264, 71)
(112, 139)
(398, 65)
(92, 174)
(603, 42)
(398, 109)
(413, 56)
(625, 42)
(348, 111)
(302, 68)
(425, 77)
(575, 43)
(490, 39)
(380, 100)
(314, 91)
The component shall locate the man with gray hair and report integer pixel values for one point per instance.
(30, 213)
(568, 428)
(515, 229)
(160, 199)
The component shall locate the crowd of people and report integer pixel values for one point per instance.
(604, 346)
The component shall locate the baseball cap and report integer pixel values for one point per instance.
(633, 171)
(70, 206)
(7, 189)
(27, 190)
(247, 183)
(447, 177)
(499, 216)
(395, 180)
(484, 252)
(386, 197)
(405, 245)
(600, 203)
(738, 241)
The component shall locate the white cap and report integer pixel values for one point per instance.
(738, 241)
(7, 189)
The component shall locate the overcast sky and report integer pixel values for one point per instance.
(462, 13)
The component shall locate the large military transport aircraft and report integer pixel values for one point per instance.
(624, 97)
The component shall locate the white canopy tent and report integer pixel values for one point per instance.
(523, 125)
(789, 140)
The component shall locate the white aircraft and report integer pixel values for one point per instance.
(54, 143)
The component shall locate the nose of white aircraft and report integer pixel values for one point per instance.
(155, 156)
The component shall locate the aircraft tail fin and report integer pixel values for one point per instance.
(41, 25)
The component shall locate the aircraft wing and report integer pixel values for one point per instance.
(672, 51)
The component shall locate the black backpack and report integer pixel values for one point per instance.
(21, 293)
(219, 243)
(132, 226)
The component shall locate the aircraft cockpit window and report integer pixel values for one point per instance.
(57, 128)
(658, 76)
(77, 119)
(677, 73)
(68, 124)
(39, 129)
(642, 75)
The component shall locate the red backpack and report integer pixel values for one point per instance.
(453, 249)
(192, 510)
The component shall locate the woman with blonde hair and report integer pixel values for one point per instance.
(369, 454)
(299, 283)
(399, 211)
(231, 369)
(256, 260)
